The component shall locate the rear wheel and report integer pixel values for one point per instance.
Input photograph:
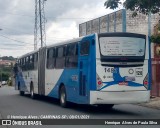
(63, 97)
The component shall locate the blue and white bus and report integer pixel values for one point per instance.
(98, 69)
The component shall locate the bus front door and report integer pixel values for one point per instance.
(84, 70)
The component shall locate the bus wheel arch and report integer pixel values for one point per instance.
(32, 90)
(63, 95)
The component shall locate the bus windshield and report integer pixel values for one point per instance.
(122, 46)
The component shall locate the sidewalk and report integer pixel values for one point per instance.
(154, 103)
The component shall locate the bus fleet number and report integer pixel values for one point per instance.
(110, 70)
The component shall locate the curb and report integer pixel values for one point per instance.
(153, 103)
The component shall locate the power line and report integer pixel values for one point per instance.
(14, 39)
(26, 49)
(14, 30)
(62, 18)
(1, 13)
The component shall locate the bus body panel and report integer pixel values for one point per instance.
(117, 78)
(78, 81)
(92, 81)
(25, 78)
(121, 97)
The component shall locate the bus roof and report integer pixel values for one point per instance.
(53, 45)
(32, 52)
(65, 42)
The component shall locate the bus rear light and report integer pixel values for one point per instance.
(99, 82)
(145, 81)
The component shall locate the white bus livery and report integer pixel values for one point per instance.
(98, 69)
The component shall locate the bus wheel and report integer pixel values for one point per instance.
(21, 93)
(32, 92)
(63, 96)
(106, 106)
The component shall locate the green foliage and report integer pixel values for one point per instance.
(112, 4)
(8, 58)
(155, 39)
(141, 6)
(5, 76)
(9, 83)
(6, 72)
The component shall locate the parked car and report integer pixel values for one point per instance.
(4, 82)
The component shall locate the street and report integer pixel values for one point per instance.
(12, 104)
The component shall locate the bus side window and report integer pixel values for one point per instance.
(31, 63)
(72, 56)
(50, 58)
(84, 48)
(27, 63)
(35, 60)
(24, 59)
(60, 57)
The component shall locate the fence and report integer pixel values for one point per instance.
(155, 90)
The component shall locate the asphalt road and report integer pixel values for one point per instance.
(12, 104)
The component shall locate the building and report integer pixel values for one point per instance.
(119, 21)
(7, 63)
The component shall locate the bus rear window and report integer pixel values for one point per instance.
(122, 46)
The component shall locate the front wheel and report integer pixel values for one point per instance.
(63, 97)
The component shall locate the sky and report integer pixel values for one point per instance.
(17, 19)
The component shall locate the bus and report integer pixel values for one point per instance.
(98, 69)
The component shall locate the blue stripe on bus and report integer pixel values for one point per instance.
(118, 78)
(131, 84)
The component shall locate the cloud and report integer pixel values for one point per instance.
(63, 19)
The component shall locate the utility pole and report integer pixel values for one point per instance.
(39, 29)
(0, 65)
(1, 74)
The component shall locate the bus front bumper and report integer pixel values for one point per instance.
(125, 97)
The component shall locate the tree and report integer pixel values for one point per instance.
(141, 6)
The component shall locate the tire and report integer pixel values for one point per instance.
(63, 97)
(21, 93)
(106, 106)
(32, 92)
